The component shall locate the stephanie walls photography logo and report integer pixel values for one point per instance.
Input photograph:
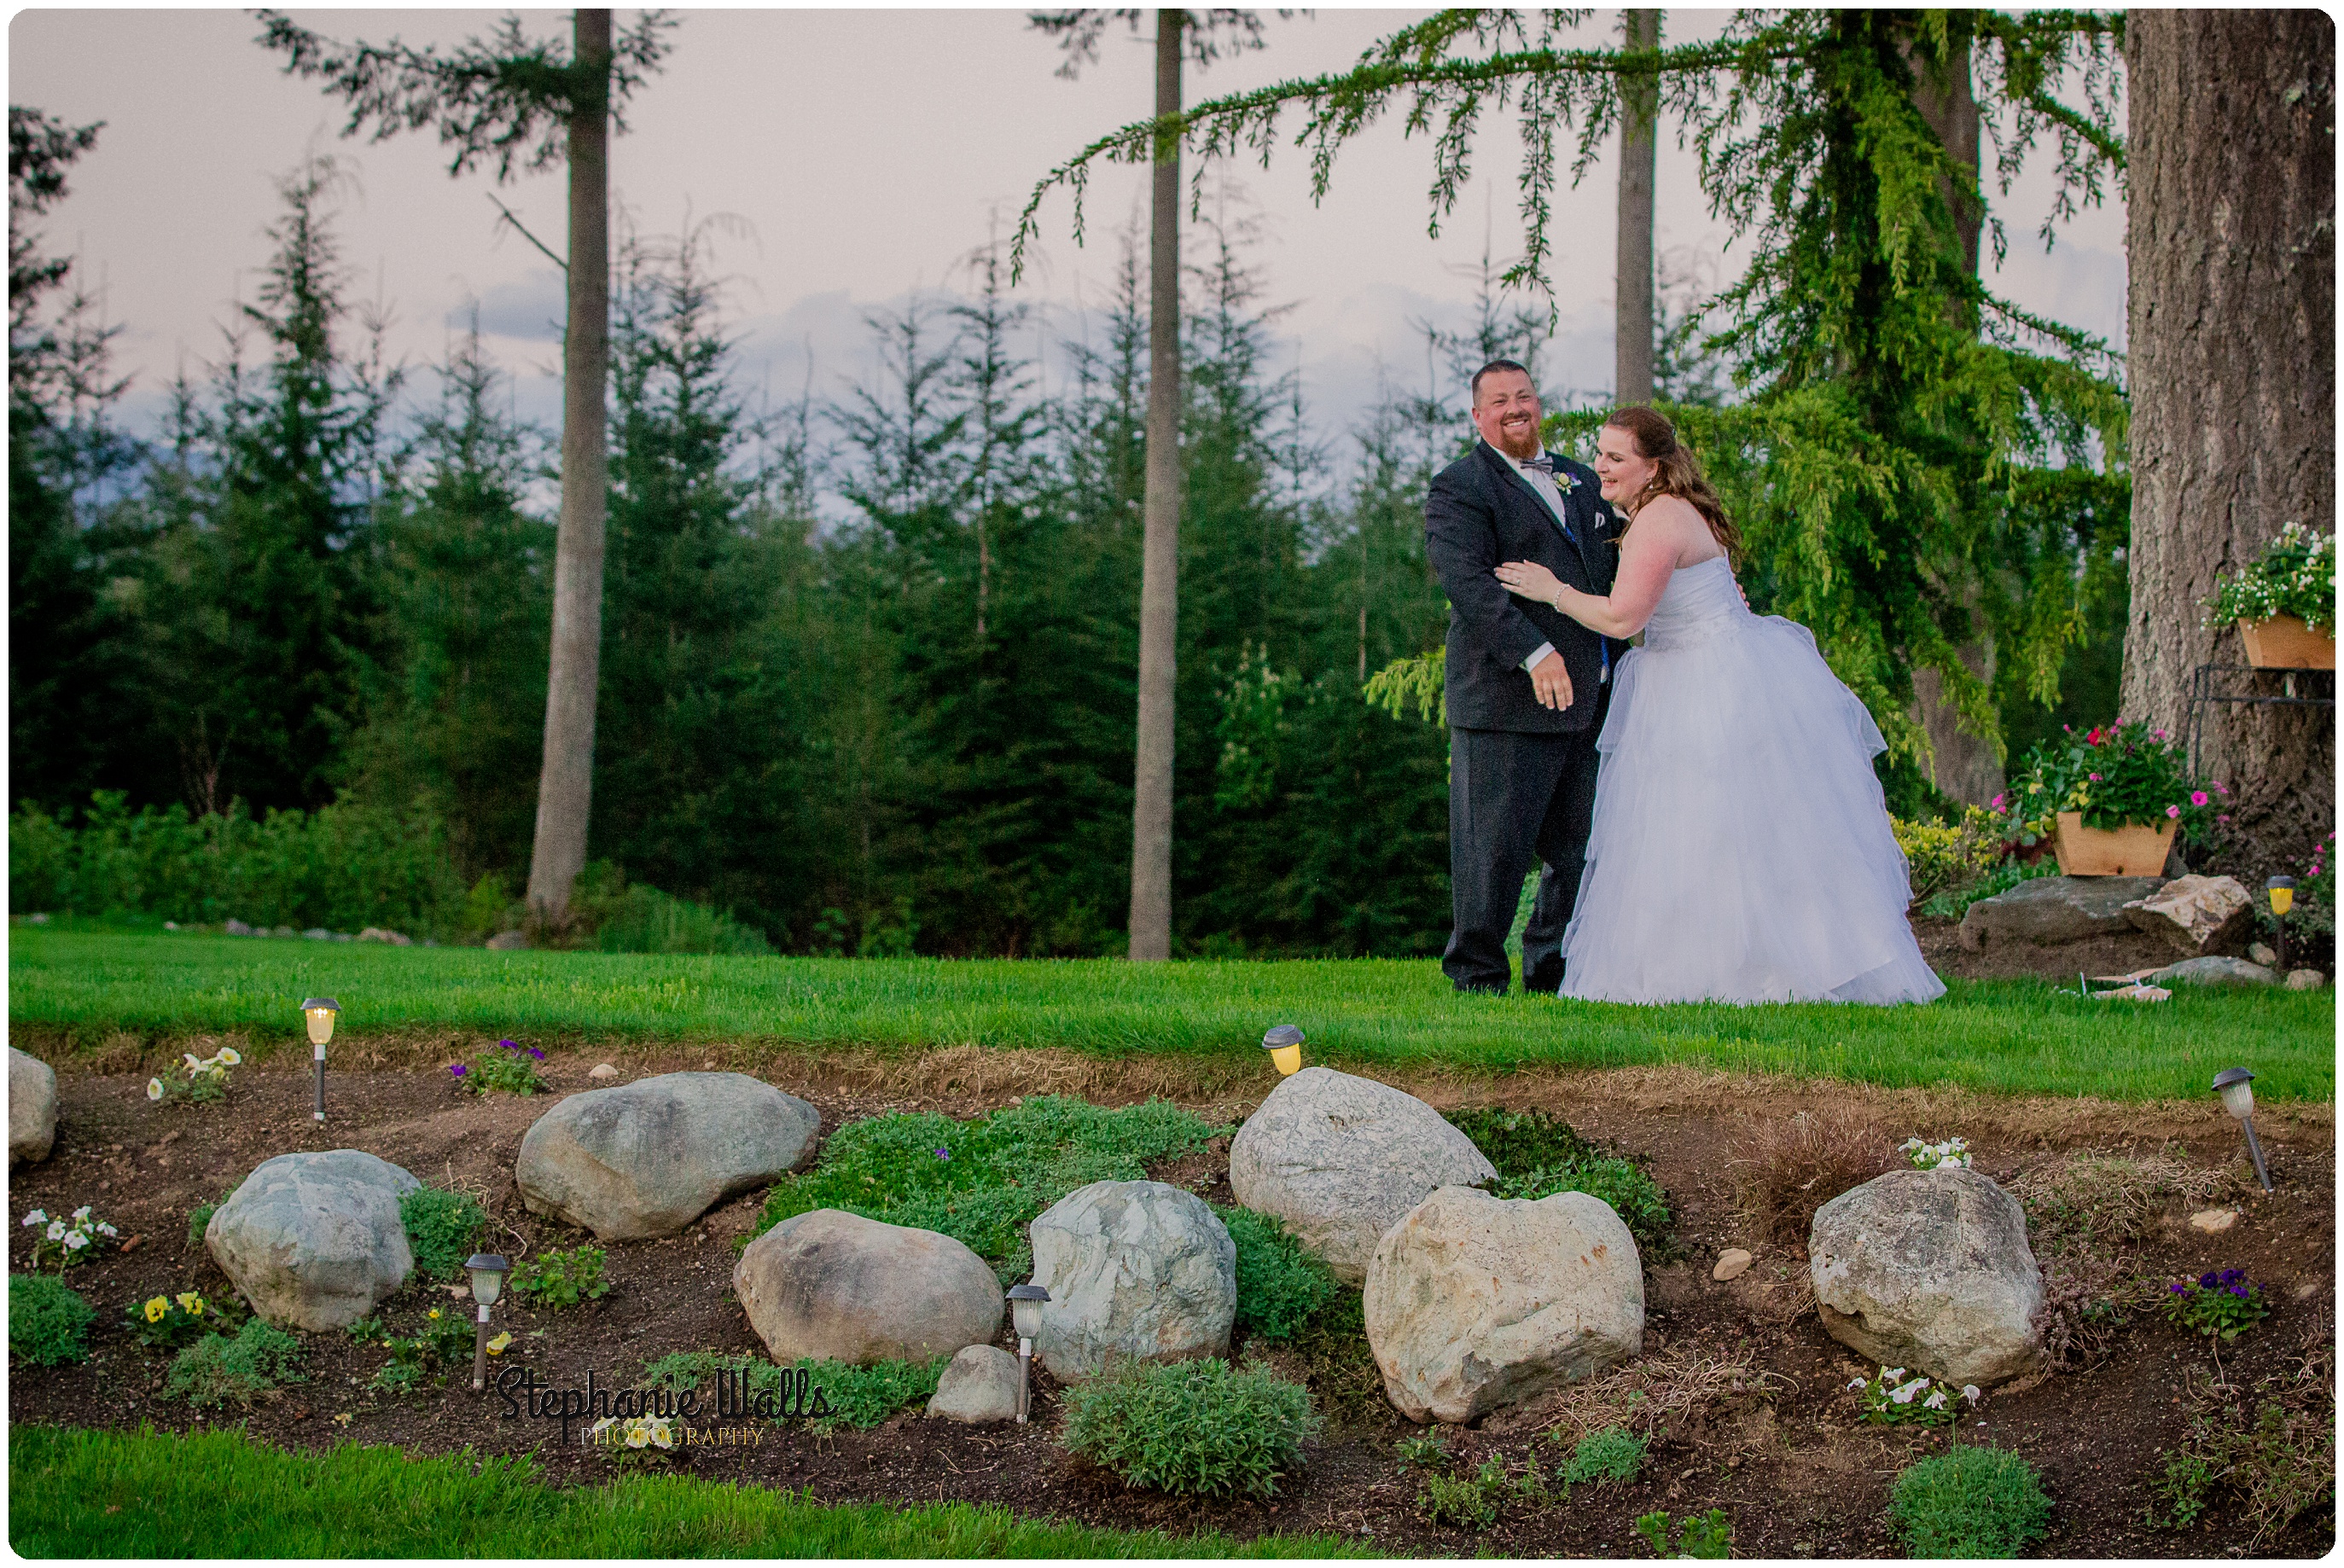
(795, 1397)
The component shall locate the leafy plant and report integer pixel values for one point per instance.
(1971, 1503)
(1709, 1535)
(1538, 1155)
(1196, 1429)
(165, 1321)
(1941, 857)
(1955, 902)
(1279, 1285)
(1893, 1400)
(441, 1226)
(47, 1321)
(200, 1216)
(200, 1080)
(1424, 1451)
(2227, 1303)
(1950, 1153)
(563, 1279)
(1613, 1454)
(70, 1242)
(1519, 1141)
(509, 1068)
(2295, 575)
(1465, 1502)
(442, 1342)
(217, 1369)
(2114, 774)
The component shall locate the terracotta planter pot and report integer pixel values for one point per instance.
(2283, 642)
(2132, 851)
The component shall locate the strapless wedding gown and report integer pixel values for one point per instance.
(1741, 849)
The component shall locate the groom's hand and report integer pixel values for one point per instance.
(1551, 679)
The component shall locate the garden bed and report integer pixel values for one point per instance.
(1790, 1464)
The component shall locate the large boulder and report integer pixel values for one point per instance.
(838, 1287)
(1137, 1270)
(314, 1240)
(978, 1388)
(649, 1158)
(32, 1107)
(1929, 1269)
(1340, 1159)
(2048, 910)
(2199, 916)
(1474, 1301)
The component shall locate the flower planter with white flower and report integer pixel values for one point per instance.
(2285, 642)
(2284, 601)
(2134, 850)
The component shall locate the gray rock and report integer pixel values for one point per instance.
(2198, 915)
(283, 931)
(978, 1388)
(1137, 1270)
(314, 1240)
(1929, 1269)
(1340, 1159)
(2049, 910)
(378, 934)
(1473, 1301)
(507, 941)
(237, 928)
(32, 1107)
(2213, 972)
(649, 1158)
(319, 934)
(837, 1286)
(2262, 955)
(2305, 979)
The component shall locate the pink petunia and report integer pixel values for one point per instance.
(2095, 778)
(2173, 810)
(2198, 797)
(1998, 800)
(2221, 789)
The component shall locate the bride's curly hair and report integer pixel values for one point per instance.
(1680, 475)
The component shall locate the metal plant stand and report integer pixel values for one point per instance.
(2213, 683)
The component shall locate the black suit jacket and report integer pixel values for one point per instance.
(1480, 511)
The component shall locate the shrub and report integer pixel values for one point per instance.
(2227, 1303)
(1191, 1428)
(1709, 1535)
(508, 1070)
(1279, 1285)
(441, 1226)
(1613, 1454)
(1971, 1503)
(47, 1321)
(1943, 857)
(559, 1278)
(645, 921)
(1784, 1168)
(215, 1369)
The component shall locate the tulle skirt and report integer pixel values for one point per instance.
(1740, 850)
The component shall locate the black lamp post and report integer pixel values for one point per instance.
(320, 1012)
(487, 1271)
(2236, 1085)
(1025, 1302)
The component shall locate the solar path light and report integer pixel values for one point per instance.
(1025, 1302)
(1284, 1044)
(487, 1271)
(2282, 899)
(320, 1011)
(2236, 1085)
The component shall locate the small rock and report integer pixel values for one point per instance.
(506, 941)
(979, 1387)
(2262, 954)
(32, 1107)
(2048, 910)
(603, 1072)
(2133, 993)
(37, 919)
(1730, 1264)
(283, 931)
(319, 934)
(170, 925)
(2213, 1221)
(2213, 971)
(2305, 979)
(237, 928)
(2198, 915)
(377, 934)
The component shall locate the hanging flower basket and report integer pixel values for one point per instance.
(2285, 642)
(2134, 850)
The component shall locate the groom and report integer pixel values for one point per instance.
(1527, 685)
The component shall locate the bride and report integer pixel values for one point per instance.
(1741, 849)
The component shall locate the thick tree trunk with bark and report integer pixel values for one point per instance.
(1159, 599)
(2230, 242)
(1632, 280)
(565, 784)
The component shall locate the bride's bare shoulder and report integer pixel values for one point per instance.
(1674, 522)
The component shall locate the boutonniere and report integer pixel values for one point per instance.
(1566, 480)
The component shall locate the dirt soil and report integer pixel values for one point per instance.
(1796, 1471)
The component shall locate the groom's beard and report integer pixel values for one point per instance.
(1519, 442)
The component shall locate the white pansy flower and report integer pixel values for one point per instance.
(189, 1058)
(76, 1240)
(229, 1055)
(57, 1232)
(154, 1089)
(1970, 1393)
(105, 1230)
(1857, 1384)
(601, 1426)
(1889, 1374)
(636, 1435)
(660, 1436)
(1936, 1401)
(81, 1214)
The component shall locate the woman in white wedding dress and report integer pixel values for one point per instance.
(1740, 850)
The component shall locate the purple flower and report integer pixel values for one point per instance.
(534, 1051)
(2240, 1292)
(943, 1153)
(2208, 1279)
(2232, 1276)
(456, 1068)
(2182, 1290)
(507, 1045)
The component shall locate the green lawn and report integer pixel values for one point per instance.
(83, 1493)
(2013, 1037)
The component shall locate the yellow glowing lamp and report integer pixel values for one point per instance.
(2282, 894)
(320, 1011)
(1284, 1044)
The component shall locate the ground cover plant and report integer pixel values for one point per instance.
(2014, 1036)
(1281, 1287)
(441, 1226)
(48, 1322)
(2275, 1452)
(1784, 1168)
(1709, 1535)
(559, 1278)
(1614, 1456)
(2219, 1301)
(508, 1068)
(1971, 1503)
(216, 1370)
(1200, 1429)
(156, 1495)
(1539, 1154)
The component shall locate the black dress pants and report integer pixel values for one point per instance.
(1514, 798)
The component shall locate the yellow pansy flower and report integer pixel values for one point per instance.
(155, 1309)
(435, 1311)
(192, 1304)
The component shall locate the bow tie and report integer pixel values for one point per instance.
(1546, 463)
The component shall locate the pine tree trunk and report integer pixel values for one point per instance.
(565, 784)
(1151, 784)
(2230, 243)
(1961, 765)
(1639, 162)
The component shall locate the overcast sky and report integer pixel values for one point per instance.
(865, 154)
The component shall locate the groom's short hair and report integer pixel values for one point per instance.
(1493, 367)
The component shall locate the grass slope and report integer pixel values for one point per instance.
(83, 1493)
(2012, 1036)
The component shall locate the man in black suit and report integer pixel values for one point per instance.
(1527, 685)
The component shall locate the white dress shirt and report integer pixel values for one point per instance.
(1551, 494)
